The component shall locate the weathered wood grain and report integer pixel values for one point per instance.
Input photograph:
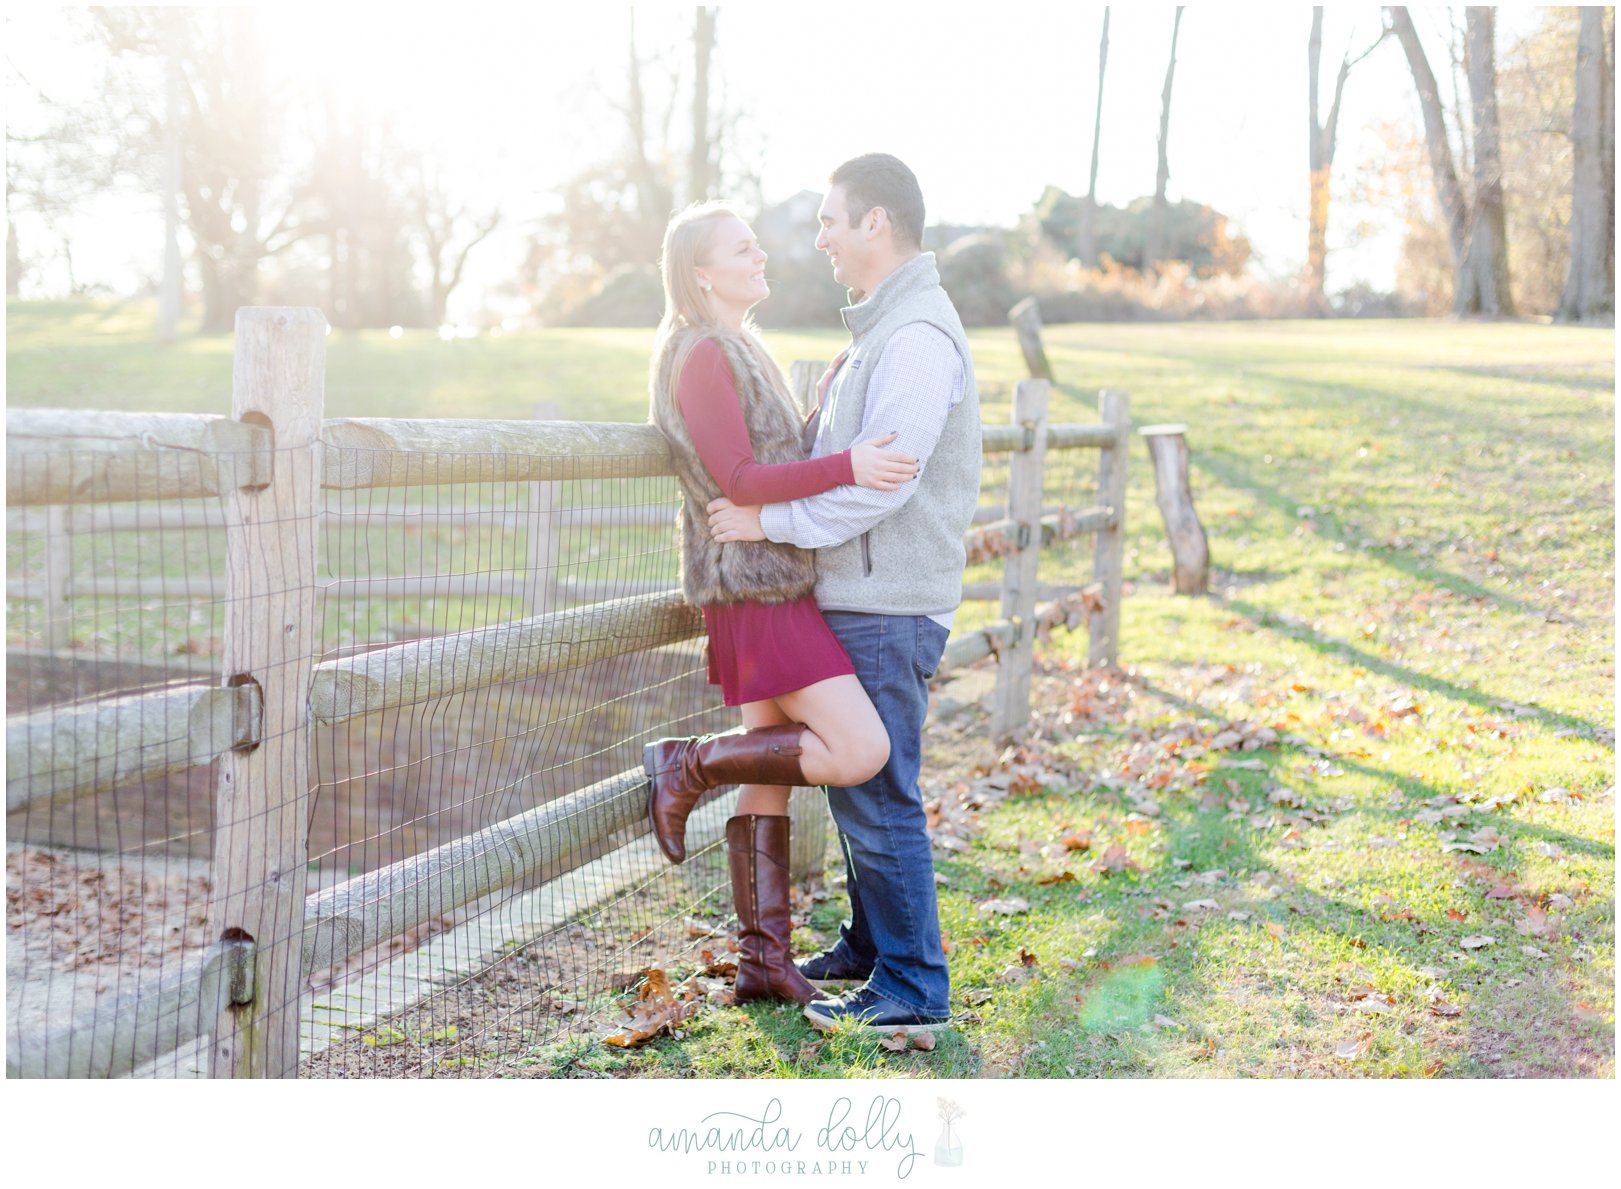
(73, 750)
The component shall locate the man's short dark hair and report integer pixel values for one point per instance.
(877, 179)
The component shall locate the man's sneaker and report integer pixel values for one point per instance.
(827, 969)
(867, 1011)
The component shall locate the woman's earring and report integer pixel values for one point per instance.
(705, 286)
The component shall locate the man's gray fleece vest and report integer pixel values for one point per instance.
(912, 562)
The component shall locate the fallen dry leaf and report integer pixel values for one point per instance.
(1477, 942)
(1350, 1050)
(656, 1009)
(1537, 923)
(1007, 906)
(924, 1041)
(1115, 860)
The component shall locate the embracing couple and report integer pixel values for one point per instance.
(827, 558)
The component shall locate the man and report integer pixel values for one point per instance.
(889, 576)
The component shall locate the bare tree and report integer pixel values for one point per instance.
(1447, 190)
(1089, 212)
(699, 159)
(14, 258)
(1590, 284)
(653, 192)
(1322, 142)
(448, 232)
(1475, 229)
(1483, 281)
(1156, 226)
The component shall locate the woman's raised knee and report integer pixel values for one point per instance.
(863, 759)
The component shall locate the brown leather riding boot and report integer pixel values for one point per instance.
(757, 850)
(682, 770)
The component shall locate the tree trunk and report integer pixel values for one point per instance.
(1483, 284)
(652, 200)
(1590, 284)
(227, 285)
(1156, 228)
(1447, 190)
(1089, 212)
(1321, 161)
(1324, 136)
(699, 160)
(14, 260)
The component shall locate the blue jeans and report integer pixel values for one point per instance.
(894, 923)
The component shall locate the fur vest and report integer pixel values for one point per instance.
(742, 571)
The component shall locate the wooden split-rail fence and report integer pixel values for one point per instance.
(267, 464)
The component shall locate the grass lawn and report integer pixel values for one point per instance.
(1351, 814)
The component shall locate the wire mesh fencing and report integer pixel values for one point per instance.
(116, 709)
(504, 584)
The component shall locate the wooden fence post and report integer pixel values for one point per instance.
(271, 634)
(1109, 557)
(1026, 471)
(1026, 320)
(802, 377)
(58, 575)
(1190, 549)
(807, 808)
(545, 541)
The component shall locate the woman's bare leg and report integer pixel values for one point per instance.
(764, 799)
(845, 742)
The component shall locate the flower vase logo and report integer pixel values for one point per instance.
(948, 1148)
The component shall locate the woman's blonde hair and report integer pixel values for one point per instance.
(688, 240)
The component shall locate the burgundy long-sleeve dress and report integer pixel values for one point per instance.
(757, 650)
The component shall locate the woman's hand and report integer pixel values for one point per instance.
(879, 469)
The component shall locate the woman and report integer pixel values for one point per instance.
(721, 401)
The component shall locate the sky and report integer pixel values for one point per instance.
(987, 110)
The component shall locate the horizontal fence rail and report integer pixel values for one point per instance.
(440, 666)
(72, 456)
(89, 747)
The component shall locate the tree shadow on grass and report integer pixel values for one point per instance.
(1329, 528)
(1348, 653)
